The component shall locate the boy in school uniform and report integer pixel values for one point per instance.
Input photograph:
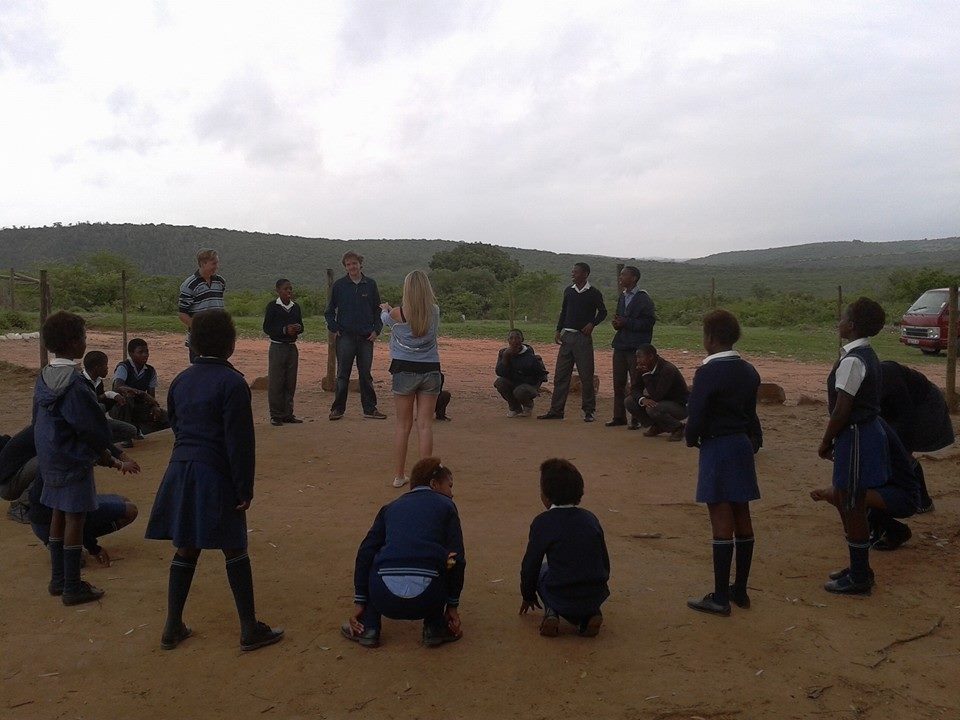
(572, 583)
(520, 373)
(633, 322)
(71, 435)
(660, 403)
(136, 380)
(283, 323)
(723, 423)
(581, 312)
(94, 371)
(854, 439)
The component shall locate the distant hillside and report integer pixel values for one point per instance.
(255, 260)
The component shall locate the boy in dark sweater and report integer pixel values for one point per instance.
(582, 310)
(572, 583)
(660, 403)
(520, 372)
(283, 322)
(136, 380)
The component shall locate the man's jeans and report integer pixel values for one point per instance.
(350, 348)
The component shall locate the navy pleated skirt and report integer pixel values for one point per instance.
(727, 472)
(75, 496)
(861, 458)
(196, 507)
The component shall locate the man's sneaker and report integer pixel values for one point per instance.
(369, 638)
(550, 416)
(589, 417)
(293, 420)
(171, 640)
(512, 413)
(374, 415)
(399, 482)
(676, 435)
(336, 414)
(86, 593)
(708, 605)
(634, 425)
(591, 626)
(837, 574)
(262, 636)
(527, 411)
(18, 512)
(435, 636)
(550, 625)
(846, 585)
(738, 598)
(276, 422)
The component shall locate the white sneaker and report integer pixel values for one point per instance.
(399, 482)
(512, 413)
(527, 411)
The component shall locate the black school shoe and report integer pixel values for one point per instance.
(169, 642)
(550, 416)
(925, 507)
(589, 417)
(892, 539)
(276, 422)
(846, 585)
(87, 593)
(436, 636)
(293, 420)
(837, 574)
(550, 625)
(708, 605)
(591, 626)
(262, 636)
(369, 638)
(616, 422)
(740, 599)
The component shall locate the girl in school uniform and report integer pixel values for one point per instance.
(414, 365)
(723, 423)
(410, 565)
(208, 487)
(854, 439)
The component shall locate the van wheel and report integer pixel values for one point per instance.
(930, 352)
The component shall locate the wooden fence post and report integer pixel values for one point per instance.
(329, 382)
(123, 308)
(44, 311)
(952, 351)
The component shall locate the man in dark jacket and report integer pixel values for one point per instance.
(659, 398)
(353, 315)
(633, 322)
(520, 372)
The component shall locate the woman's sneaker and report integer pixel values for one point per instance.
(399, 482)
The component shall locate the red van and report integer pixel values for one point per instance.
(924, 325)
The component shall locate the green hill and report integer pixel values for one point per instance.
(255, 260)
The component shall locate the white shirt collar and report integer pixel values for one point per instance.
(859, 342)
(556, 507)
(586, 286)
(717, 356)
(87, 376)
(59, 361)
(655, 368)
(285, 307)
(636, 289)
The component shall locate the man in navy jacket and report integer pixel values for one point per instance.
(633, 322)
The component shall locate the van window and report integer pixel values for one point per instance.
(930, 303)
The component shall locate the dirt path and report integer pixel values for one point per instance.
(798, 653)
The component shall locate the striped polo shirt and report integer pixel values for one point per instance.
(196, 295)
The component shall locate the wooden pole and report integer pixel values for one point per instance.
(839, 317)
(329, 382)
(952, 351)
(13, 295)
(44, 311)
(512, 304)
(123, 309)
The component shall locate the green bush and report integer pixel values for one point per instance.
(13, 321)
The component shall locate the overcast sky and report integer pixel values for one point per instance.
(645, 129)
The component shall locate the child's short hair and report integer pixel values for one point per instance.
(281, 282)
(427, 470)
(213, 333)
(722, 326)
(583, 266)
(633, 270)
(92, 359)
(867, 316)
(560, 482)
(206, 254)
(61, 330)
(646, 349)
(134, 344)
(351, 255)
(515, 331)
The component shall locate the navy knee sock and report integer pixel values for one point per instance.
(744, 546)
(241, 582)
(56, 561)
(722, 559)
(859, 561)
(71, 568)
(178, 587)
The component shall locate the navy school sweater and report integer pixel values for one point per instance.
(581, 308)
(413, 535)
(723, 401)
(524, 369)
(276, 318)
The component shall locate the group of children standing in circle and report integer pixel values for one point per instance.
(411, 563)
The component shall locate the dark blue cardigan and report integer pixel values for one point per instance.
(415, 533)
(639, 317)
(723, 401)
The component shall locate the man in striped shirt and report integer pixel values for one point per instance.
(201, 291)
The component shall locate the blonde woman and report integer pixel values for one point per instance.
(414, 365)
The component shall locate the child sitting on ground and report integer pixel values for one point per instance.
(94, 371)
(137, 382)
(572, 583)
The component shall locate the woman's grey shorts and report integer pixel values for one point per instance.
(411, 383)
